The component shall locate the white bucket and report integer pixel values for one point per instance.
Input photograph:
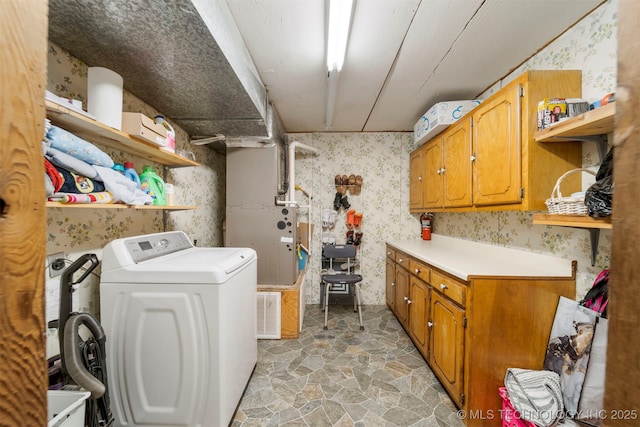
(66, 408)
(104, 96)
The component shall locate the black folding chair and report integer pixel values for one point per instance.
(342, 256)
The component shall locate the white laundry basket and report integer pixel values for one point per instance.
(66, 408)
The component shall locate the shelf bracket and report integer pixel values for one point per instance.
(601, 141)
(594, 238)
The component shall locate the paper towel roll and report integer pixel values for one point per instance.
(104, 96)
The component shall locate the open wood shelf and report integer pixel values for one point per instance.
(99, 133)
(580, 221)
(594, 122)
(116, 206)
(592, 225)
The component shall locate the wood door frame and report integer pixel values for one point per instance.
(23, 376)
(623, 352)
(22, 341)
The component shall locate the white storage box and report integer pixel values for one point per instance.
(65, 408)
(439, 117)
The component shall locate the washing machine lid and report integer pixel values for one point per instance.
(170, 258)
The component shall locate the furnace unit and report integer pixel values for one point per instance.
(256, 178)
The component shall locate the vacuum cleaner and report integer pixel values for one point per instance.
(82, 362)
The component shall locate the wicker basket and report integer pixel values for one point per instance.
(559, 205)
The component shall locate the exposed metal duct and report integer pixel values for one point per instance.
(186, 58)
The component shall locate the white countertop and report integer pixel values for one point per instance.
(465, 258)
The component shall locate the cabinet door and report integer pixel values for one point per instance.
(447, 344)
(496, 146)
(456, 161)
(391, 284)
(419, 314)
(432, 182)
(416, 172)
(402, 296)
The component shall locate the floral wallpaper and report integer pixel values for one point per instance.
(382, 159)
(78, 231)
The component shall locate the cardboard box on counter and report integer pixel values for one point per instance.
(439, 117)
(143, 127)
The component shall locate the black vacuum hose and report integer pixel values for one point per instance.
(74, 362)
(89, 262)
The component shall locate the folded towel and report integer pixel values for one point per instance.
(77, 147)
(537, 395)
(71, 163)
(54, 176)
(80, 184)
(122, 188)
(101, 197)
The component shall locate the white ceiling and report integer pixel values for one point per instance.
(403, 55)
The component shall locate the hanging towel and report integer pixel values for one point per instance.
(537, 395)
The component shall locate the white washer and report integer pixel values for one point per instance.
(180, 323)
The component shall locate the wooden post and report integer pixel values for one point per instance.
(622, 401)
(23, 371)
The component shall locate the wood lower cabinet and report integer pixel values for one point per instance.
(402, 294)
(447, 326)
(419, 299)
(391, 283)
(471, 331)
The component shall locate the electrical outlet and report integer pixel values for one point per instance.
(56, 264)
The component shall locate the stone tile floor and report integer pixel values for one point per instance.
(344, 377)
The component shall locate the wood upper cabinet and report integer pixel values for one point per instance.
(432, 195)
(416, 177)
(510, 170)
(446, 177)
(456, 164)
(447, 345)
(496, 149)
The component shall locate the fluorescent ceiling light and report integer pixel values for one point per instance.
(339, 22)
(332, 90)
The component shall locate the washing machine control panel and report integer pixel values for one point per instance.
(143, 248)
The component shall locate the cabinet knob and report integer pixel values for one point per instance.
(420, 178)
(406, 298)
(400, 260)
(417, 270)
(393, 284)
(430, 324)
(439, 171)
(443, 170)
(409, 301)
(473, 158)
(443, 286)
(389, 253)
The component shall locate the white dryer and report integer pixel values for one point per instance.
(180, 323)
